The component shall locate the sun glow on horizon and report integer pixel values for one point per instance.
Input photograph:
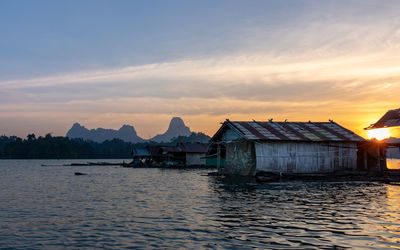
(379, 134)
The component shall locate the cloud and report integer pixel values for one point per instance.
(239, 78)
(321, 67)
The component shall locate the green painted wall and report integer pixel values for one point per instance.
(213, 161)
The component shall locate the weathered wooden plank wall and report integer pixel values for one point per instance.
(240, 158)
(305, 157)
(193, 159)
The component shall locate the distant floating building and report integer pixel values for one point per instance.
(183, 154)
(246, 148)
(390, 119)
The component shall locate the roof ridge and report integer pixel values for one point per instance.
(290, 131)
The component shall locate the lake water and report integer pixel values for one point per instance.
(113, 207)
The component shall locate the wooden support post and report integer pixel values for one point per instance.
(218, 156)
(379, 158)
(365, 160)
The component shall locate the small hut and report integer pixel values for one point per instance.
(186, 154)
(141, 156)
(375, 153)
(166, 154)
(140, 153)
(285, 147)
(194, 153)
(389, 119)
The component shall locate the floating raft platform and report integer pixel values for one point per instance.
(388, 176)
(167, 166)
(84, 164)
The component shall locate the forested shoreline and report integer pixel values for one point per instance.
(58, 147)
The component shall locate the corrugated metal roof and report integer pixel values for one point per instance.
(170, 149)
(293, 131)
(390, 119)
(180, 148)
(141, 152)
(194, 147)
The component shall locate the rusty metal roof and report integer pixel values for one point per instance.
(292, 131)
(194, 147)
(140, 152)
(390, 119)
(180, 148)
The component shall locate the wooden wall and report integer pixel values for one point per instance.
(240, 159)
(305, 157)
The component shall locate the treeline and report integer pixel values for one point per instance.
(193, 137)
(50, 147)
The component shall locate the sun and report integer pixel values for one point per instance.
(379, 134)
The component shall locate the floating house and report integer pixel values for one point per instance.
(194, 153)
(141, 156)
(185, 154)
(389, 119)
(390, 147)
(287, 147)
(140, 153)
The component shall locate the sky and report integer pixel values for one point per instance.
(109, 63)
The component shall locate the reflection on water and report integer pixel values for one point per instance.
(49, 207)
(392, 216)
(393, 163)
(308, 215)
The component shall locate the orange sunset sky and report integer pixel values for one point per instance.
(203, 61)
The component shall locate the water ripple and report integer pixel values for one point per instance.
(49, 207)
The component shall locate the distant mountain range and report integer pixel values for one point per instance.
(176, 128)
(128, 133)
